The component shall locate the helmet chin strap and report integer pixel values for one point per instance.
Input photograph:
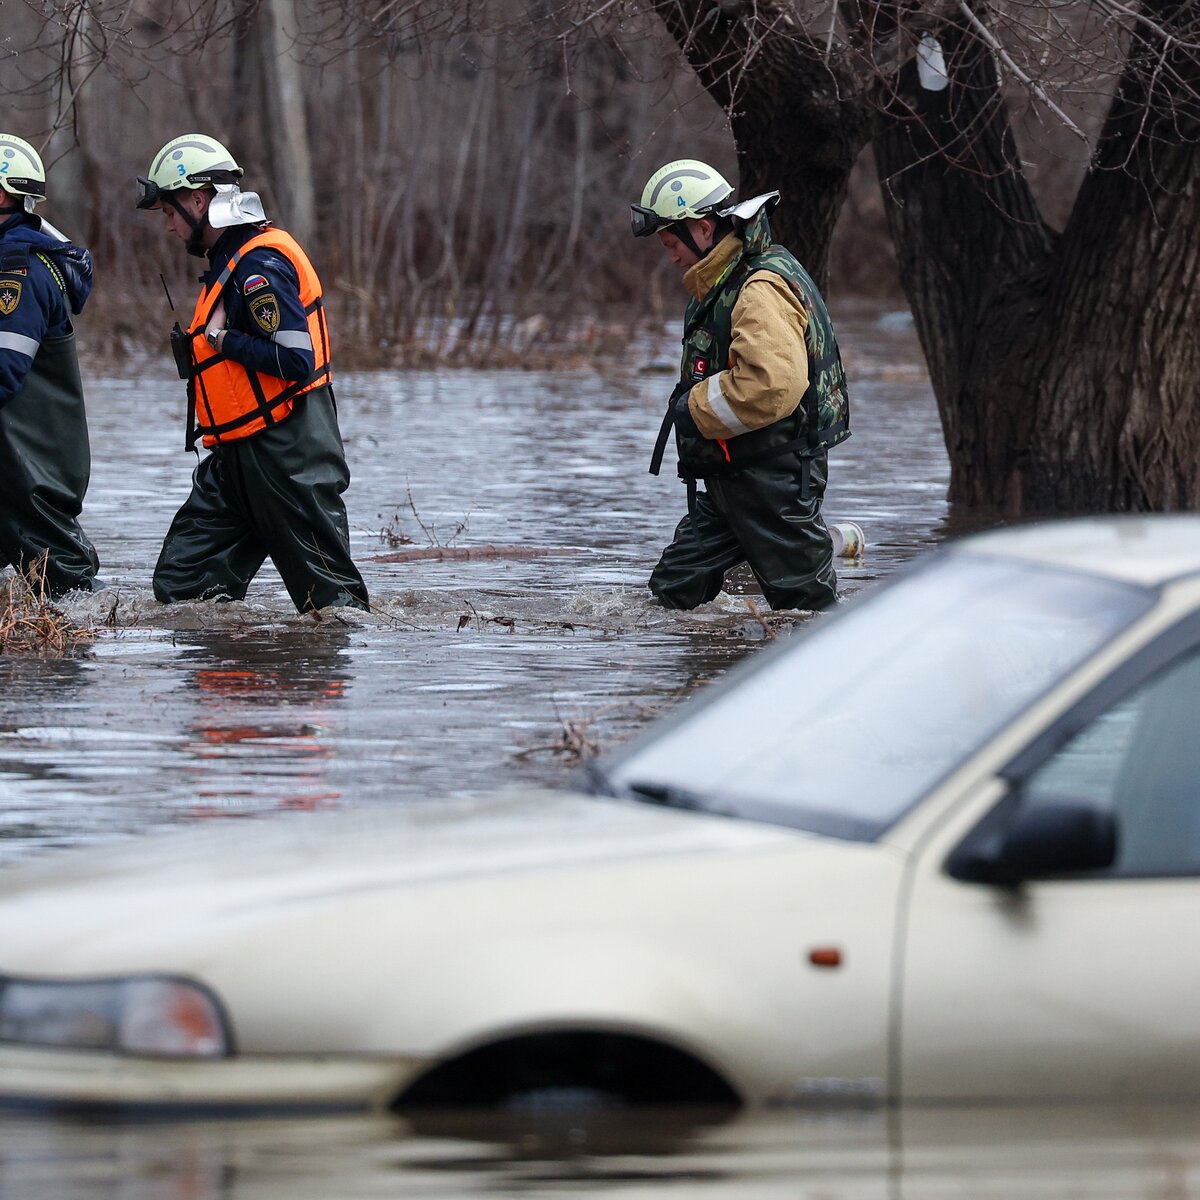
(195, 243)
(684, 234)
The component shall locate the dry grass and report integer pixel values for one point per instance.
(30, 623)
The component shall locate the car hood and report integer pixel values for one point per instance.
(150, 891)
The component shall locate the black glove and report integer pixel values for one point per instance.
(683, 416)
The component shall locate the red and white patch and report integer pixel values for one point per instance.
(254, 284)
(699, 368)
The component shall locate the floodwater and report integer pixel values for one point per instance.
(475, 671)
(470, 671)
(1054, 1153)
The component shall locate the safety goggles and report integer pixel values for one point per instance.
(26, 187)
(646, 221)
(148, 193)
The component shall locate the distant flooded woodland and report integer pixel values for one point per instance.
(462, 178)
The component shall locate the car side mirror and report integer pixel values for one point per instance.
(1036, 841)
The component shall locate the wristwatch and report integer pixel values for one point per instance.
(211, 334)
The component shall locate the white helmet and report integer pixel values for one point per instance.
(196, 160)
(686, 188)
(21, 170)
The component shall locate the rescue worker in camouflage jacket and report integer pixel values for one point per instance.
(256, 358)
(761, 398)
(45, 457)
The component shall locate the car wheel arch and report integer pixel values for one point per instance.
(613, 1063)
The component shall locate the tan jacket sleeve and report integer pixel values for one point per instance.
(767, 373)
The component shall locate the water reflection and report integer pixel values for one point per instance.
(43, 752)
(1037, 1153)
(264, 704)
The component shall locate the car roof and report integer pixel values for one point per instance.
(1149, 549)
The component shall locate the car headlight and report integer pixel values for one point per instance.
(156, 1015)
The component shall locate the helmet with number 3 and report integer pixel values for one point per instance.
(191, 161)
(21, 170)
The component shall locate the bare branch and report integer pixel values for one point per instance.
(990, 40)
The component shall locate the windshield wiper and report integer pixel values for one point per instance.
(671, 797)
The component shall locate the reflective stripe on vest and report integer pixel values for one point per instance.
(232, 401)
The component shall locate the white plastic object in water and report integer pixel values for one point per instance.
(849, 541)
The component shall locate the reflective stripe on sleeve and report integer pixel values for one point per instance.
(20, 343)
(293, 339)
(720, 406)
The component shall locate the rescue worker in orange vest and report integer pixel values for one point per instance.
(256, 358)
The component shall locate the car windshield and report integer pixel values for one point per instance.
(842, 730)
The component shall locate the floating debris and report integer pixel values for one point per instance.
(849, 541)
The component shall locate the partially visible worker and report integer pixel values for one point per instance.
(256, 358)
(45, 457)
(761, 397)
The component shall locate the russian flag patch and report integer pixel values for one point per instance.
(254, 284)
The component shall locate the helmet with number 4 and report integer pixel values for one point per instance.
(21, 170)
(686, 188)
(191, 161)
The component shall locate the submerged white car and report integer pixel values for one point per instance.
(944, 845)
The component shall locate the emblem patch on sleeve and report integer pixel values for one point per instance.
(255, 283)
(10, 295)
(265, 311)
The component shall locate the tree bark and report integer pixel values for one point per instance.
(1120, 385)
(1064, 367)
(798, 119)
(973, 255)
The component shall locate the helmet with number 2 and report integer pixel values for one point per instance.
(686, 188)
(21, 170)
(191, 161)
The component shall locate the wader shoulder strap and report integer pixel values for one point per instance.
(660, 442)
(190, 432)
(732, 276)
(668, 423)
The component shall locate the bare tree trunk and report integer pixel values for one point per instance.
(972, 253)
(1064, 367)
(289, 124)
(248, 98)
(1120, 386)
(798, 119)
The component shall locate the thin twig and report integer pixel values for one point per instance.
(994, 45)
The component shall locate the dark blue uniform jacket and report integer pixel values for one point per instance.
(43, 281)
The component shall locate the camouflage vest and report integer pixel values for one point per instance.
(821, 420)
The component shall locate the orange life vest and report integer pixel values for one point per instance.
(230, 400)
